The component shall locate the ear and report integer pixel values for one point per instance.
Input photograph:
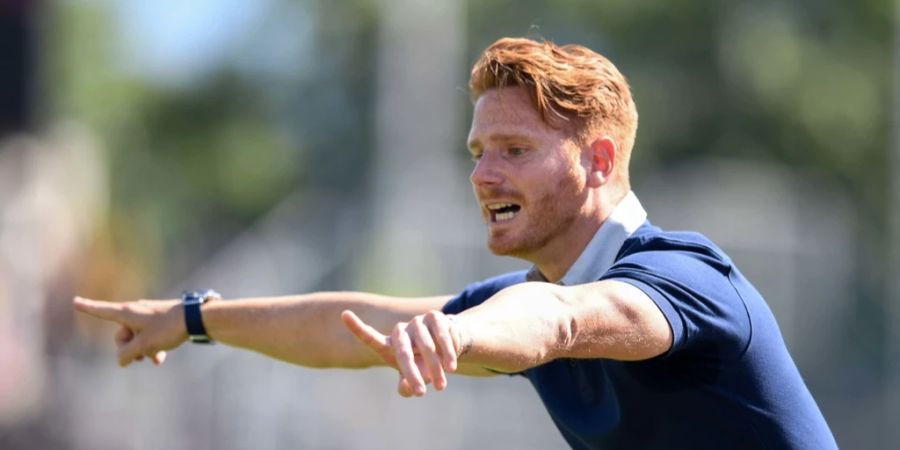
(603, 161)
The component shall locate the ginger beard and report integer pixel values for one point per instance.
(544, 216)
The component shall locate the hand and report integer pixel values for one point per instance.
(146, 327)
(422, 350)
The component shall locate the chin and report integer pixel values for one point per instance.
(501, 247)
(497, 248)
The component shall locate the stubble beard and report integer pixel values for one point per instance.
(546, 218)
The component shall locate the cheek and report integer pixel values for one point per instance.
(570, 176)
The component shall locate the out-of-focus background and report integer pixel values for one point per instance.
(276, 147)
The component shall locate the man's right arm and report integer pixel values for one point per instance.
(305, 329)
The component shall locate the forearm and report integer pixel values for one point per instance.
(530, 324)
(522, 326)
(307, 329)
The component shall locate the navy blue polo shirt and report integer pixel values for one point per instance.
(728, 381)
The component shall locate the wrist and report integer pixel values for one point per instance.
(461, 335)
(192, 302)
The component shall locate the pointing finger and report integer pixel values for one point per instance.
(365, 333)
(101, 310)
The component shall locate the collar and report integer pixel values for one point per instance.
(601, 251)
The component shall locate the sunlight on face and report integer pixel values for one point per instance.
(528, 178)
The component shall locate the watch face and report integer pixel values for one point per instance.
(210, 294)
(201, 296)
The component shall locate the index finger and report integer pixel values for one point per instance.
(364, 332)
(99, 309)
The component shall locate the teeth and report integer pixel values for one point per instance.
(501, 217)
(495, 206)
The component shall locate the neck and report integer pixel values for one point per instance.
(554, 265)
(556, 258)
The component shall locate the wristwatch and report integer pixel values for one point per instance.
(193, 319)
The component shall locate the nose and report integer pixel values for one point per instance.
(486, 172)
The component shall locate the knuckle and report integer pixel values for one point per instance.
(428, 347)
(422, 326)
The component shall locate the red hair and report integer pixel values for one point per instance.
(569, 83)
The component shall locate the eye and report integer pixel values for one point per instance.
(475, 156)
(517, 151)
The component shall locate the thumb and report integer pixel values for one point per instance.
(99, 309)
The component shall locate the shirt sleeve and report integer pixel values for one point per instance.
(693, 288)
(476, 293)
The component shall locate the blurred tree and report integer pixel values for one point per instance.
(194, 165)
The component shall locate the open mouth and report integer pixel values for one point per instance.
(503, 212)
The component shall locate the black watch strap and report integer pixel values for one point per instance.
(193, 319)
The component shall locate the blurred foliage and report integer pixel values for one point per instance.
(192, 166)
(801, 83)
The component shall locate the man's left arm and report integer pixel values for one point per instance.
(529, 324)
(533, 323)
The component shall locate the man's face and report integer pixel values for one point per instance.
(529, 178)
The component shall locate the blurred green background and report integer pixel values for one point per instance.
(279, 146)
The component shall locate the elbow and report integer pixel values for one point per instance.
(566, 328)
(566, 333)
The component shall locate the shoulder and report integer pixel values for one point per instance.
(684, 255)
(655, 242)
(692, 281)
(476, 293)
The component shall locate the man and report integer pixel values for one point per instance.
(633, 337)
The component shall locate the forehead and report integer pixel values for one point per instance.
(505, 108)
(508, 112)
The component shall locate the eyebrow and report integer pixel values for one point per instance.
(501, 137)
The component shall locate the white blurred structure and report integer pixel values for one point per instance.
(51, 191)
(420, 192)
